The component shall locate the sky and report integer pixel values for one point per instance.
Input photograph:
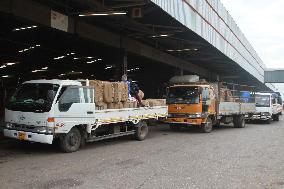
(262, 22)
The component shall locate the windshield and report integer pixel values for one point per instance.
(262, 101)
(183, 95)
(33, 97)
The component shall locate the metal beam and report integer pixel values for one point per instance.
(41, 14)
(274, 76)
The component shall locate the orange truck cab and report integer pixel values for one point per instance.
(193, 102)
(190, 104)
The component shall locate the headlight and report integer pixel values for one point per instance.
(44, 129)
(9, 125)
(265, 114)
(198, 115)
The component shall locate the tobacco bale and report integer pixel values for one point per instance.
(117, 89)
(145, 102)
(124, 95)
(98, 85)
(141, 94)
(108, 94)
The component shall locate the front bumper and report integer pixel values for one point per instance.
(29, 136)
(186, 121)
(260, 117)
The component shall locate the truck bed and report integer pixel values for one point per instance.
(128, 114)
(231, 108)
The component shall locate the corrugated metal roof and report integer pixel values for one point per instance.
(210, 20)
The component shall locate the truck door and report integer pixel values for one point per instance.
(274, 105)
(75, 107)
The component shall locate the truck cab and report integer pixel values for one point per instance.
(30, 112)
(190, 104)
(267, 107)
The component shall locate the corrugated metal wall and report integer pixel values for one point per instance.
(274, 76)
(210, 20)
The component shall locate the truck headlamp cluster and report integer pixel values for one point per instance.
(9, 125)
(197, 115)
(265, 114)
(44, 129)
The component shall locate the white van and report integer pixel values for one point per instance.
(267, 107)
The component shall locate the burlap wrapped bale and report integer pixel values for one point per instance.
(108, 94)
(98, 85)
(162, 102)
(141, 94)
(135, 104)
(124, 95)
(229, 96)
(129, 104)
(118, 89)
(126, 104)
(101, 106)
(153, 102)
(115, 105)
(222, 94)
(120, 105)
(111, 105)
(145, 103)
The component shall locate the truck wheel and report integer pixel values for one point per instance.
(239, 121)
(141, 131)
(217, 124)
(174, 127)
(71, 141)
(207, 127)
(268, 121)
(276, 117)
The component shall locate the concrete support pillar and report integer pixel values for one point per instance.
(121, 64)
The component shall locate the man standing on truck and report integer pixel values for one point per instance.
(134, 90)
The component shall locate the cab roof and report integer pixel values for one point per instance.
(56, 81)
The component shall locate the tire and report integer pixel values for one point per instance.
(207, 127)
(174, 127)
(71, 141)
(247, 121)
(141, 131)
(217, 124)
(239, 121)
(276, 117)
(268, 121)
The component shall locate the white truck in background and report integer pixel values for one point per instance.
(47, 110)
(268, 107)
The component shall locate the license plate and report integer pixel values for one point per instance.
(21, 136)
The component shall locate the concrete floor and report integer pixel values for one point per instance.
(252, 157)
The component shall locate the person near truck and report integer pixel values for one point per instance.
(134, 91)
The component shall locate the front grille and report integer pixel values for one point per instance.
(179, 115)
(21, 127)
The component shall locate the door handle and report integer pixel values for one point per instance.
(90, 112)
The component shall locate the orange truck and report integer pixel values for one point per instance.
(194, 102)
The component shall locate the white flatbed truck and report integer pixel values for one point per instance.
(48, 110)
